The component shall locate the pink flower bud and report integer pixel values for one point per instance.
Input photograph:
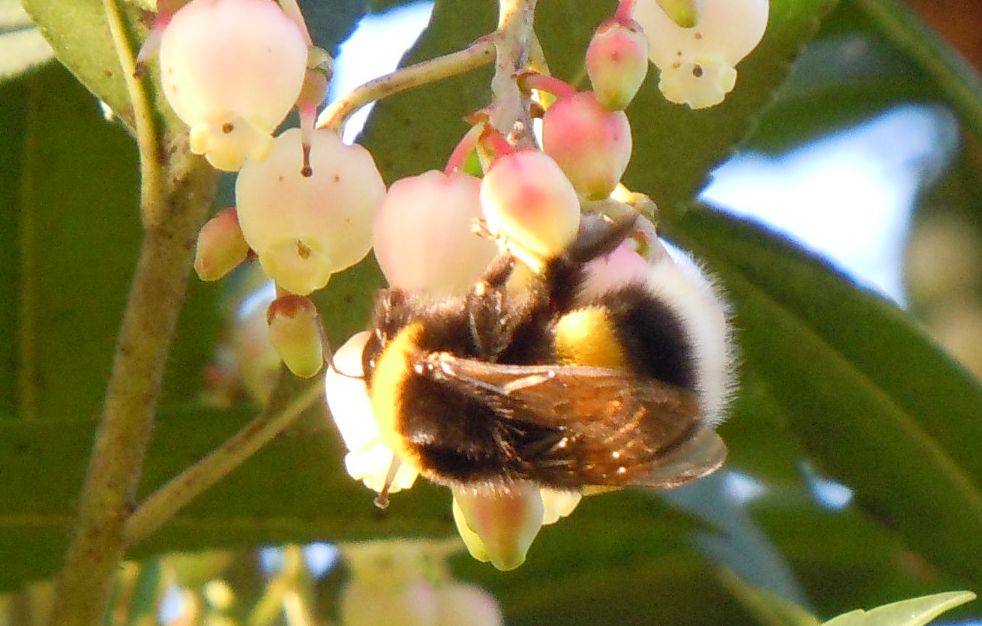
(423, 235)
(305, 228)
(295, 331)
(698, 62)
(617, 62)
(526, 198)
(499, 526)
(221, 247)
(591, 144)
(231, 70)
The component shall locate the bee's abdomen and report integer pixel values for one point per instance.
(651, 335)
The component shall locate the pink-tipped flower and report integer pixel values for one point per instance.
(232, 70)
(698, 61)
(221, 247)
(499, 525)
(423, 236)
(526, 198)
(591, 144)
(295, 331)
(617, 62)
(305, 228)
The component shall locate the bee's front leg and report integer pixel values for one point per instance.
(486, 307)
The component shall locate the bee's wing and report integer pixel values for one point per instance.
(580, 425)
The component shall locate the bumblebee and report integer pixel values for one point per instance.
(550, 384)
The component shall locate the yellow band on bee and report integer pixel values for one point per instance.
(587, 337)
(391, 372)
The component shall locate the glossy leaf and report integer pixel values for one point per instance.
(871, 399)
(69, 243)
(330, 23)
(956, 78)
(914, 612)
(770, 609)
(80, 36)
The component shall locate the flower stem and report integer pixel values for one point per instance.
(182, 489)
(544, 82)
(511, 108)
(477, 54)
(625, 10)
(145, 337)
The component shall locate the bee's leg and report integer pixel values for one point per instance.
(486, 307)
(599, 236)
(497, 273)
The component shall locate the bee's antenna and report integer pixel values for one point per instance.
(382, 501)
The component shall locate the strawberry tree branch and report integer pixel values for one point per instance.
(176, 192)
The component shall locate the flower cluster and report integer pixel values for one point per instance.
(309, 206)
(305, 202)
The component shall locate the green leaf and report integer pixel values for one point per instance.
(770, 609)
(295, 489)
(80, 36)
(839, 81)
(914, 612)
(330, 23)
(870, 398)
(384, 6)
(956, 78)
(68, 242)
(675, 588)
(734, 540)
(21, 45)
(851, 72)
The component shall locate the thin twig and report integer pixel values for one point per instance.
(481, 52)
(144, 123)
(172, 497)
